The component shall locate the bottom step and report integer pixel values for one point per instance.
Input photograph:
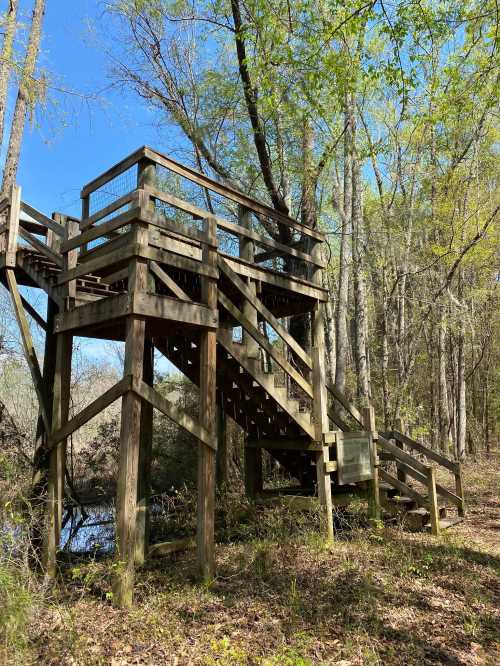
(445, 523)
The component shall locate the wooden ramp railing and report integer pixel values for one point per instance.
(409, 466)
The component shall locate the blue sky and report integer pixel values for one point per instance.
(74, 139)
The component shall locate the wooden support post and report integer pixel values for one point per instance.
(400, 425)
(221, 465)
(145, 459)
(320, 407)
(57, 460)
(459, 488)
(70, 259)
(130, 434)
(208, 419)
(254, 481)
(372, 485)
(247, 252)
(13, 226)
(433, 500)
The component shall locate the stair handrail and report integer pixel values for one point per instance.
(264, 312)
(346, 404)
(409, 464)
(16, 228)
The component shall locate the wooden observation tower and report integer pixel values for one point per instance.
(166, 258)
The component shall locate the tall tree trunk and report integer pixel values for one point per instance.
(25, 97)
(443, 407)
(6, 61)
(359, 284)
(330, 331)
(461, 401)
(341, 331)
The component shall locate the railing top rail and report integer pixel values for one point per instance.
(424, 450)
(42, 219)
(202, 180)
(348, 406)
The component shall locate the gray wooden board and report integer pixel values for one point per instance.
(354, 462)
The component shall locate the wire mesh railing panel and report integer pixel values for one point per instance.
(114, 189)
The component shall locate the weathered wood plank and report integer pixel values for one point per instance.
(263, 311)
(230, 193)
(29, 347)
(429, 453)
(280, 280)
(129, 198)
(102, 229)
(113, 172)
(170, 284)
(41, 247)
(91, 314)
(178, 416)
(167, 547)
(42, 219)
(403, 488)
(165, 307)
(401, 455)
(265, 344)
(89, 412)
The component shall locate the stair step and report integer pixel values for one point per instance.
(445, 523)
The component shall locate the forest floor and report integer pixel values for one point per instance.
(383, 596)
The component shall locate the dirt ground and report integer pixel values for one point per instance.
(382, 596)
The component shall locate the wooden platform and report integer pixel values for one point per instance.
(210, 287)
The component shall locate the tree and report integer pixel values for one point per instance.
(26, 96)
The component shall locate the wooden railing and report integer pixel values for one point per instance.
(41, 235)
(287, 245)
(409, 466)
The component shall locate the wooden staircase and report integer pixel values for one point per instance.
(213, 295)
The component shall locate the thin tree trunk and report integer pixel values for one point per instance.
(25, 97)
(341, 331)
(360, 329)
(461, 401)
(443, 407)
(6, 61)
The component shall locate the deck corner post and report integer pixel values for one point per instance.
(208, 419)
(372, 485)
(401, 426)
(145, 459)
(433, 500)
(57, 456)
(459, 488)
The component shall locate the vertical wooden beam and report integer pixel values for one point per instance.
(145, 459)
(373, 485)
(208, 418)
(130, 434)
(320, 407)
(221, 462)
(459, 488)
(252, 456)
(13, 226)
(29, 348)
(400, 425)
(433, 500)
(70, 260)
(57, 460)
(254, 481)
